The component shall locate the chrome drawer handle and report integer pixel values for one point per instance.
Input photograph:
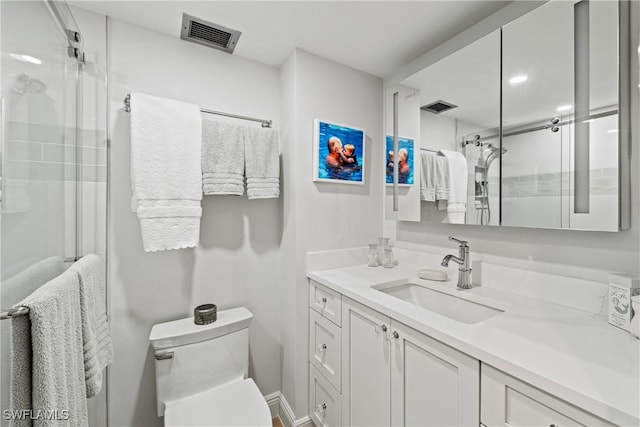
(322, 409)
(382, 328)
(164, 356)
(322, 301)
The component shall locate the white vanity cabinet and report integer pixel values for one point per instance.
(432, 384)
(366, 359)
(394, 375)
(507, 401)
(368, 369)
(325, 356)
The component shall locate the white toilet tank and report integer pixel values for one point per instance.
(194, 358)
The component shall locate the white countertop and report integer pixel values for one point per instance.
(573, 354)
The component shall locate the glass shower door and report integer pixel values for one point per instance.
(45, 202)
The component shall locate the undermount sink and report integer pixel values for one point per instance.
(444, 304)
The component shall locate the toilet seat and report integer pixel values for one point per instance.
(239, 403)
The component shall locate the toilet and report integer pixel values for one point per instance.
(202, 373)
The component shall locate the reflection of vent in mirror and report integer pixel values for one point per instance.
(209, 34)
(438, 107)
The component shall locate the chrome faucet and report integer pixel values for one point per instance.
(464, 271)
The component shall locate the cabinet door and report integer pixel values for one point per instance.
(507, 401)
(431, 383)
(366, 384)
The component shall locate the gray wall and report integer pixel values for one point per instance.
(320, 215)
(238, 260)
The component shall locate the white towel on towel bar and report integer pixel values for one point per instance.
(458, 176)
(96, 337)
(262, 163)
(47, 363)
(222, 157)
(166, 174)
(434, 182)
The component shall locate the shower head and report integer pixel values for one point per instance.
(26, 84)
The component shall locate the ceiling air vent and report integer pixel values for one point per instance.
(209, 34)
(438, 107)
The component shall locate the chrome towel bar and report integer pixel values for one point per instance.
(14, 312)
(265, 123)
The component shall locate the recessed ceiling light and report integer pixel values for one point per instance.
(564, 108)
(26, 58)
(518, 79)
(612, 131)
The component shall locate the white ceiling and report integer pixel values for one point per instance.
(377, 37)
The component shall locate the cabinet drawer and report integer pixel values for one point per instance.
(325, 405)
(326, 302)
(325, 348)
(507, 401)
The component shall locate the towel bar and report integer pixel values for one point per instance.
(14, 312)
(265, 123)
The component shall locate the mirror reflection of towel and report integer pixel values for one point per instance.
(435, 180)
(457, 202)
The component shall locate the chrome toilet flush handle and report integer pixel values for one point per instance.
(164, 356)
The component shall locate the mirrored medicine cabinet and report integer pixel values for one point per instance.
(532, 120)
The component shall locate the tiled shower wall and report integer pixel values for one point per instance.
(604, 182)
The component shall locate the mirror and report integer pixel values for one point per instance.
(529, 122)
(560, 114)
(460, 113)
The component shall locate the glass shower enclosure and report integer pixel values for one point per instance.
(53, 158)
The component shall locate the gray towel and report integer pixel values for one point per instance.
(14, 290)
(20, 395)
(262, 163)
(222, 157)
(96, 337)
(55, 364)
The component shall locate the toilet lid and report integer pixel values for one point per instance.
(239, 403)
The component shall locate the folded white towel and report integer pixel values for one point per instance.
(96, 337)
(262, 163)
(222, 157)
(458, 176)
(166, 174)
(434, 183)
(50, 377)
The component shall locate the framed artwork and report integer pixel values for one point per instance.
(338, 153)
(406, 161)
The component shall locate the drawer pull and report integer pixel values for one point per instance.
(395, 335)
(322, 301)
(381, 328)
(322, 348)
(321, 409)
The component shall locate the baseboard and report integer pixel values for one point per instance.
(273, 400)
(279, 407)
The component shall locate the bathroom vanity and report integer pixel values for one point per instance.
(388, 348)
